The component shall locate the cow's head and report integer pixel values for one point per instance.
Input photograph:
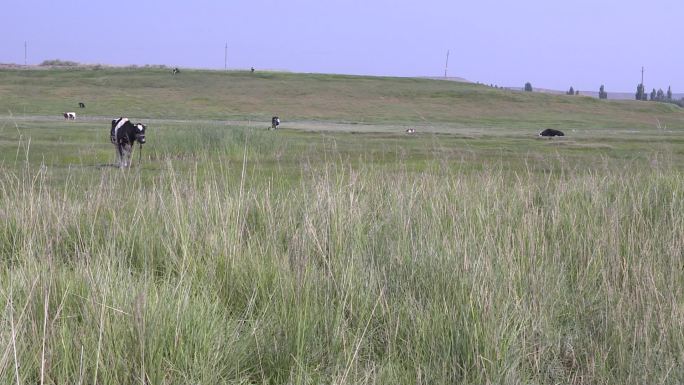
(140, 133)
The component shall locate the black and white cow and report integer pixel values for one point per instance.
(275, 122)
(123, 135)
(551, 132)
(81, 105)
(69, 115)
(175, 70)
(410, 130)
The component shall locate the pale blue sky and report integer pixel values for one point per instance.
(552, 44)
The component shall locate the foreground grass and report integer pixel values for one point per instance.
(313, 267)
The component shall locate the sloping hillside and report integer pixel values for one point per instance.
(154, 93)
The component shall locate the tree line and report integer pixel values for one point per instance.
(659, 95)
(602, 91)
(655, 95)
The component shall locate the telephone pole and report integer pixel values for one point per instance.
(446, 66)
(643, 87)
(25, 53)
(225, 58)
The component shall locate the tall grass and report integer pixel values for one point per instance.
(220, 273)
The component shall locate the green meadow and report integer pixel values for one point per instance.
(337, 249)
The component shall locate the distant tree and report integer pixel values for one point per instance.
(669, 93)
(528, 87)
(660, 95)
(641, 92)
(602, 93)
(576, 92)
(571, 91)
(654, 94)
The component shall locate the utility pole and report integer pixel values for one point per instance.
(25, 52)
(446, 66)
(225, 58)
(643, 87)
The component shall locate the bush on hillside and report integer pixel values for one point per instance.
(59, 63)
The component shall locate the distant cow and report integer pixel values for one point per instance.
(175, 70)
(81, 105)
(275, 122)
(551, 132)
(123, 135)
(410, 130)
(69, 115)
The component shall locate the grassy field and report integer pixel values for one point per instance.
(338, 249)
(373, 100)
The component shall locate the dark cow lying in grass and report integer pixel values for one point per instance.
(551, 132)
(123, 135)
(275, 122)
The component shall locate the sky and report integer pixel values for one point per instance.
(552, 44)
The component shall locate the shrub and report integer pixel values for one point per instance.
(59, 63)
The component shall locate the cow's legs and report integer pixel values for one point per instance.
(119, 155)
(123, 155)
(128, 151)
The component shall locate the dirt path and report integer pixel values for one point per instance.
(305, 125)
(351, 127)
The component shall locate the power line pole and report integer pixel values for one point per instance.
(446, 66)
(25, 53)
(643, 87)
(225, 58)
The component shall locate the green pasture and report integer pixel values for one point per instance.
(84, 146)
(338, 249)
(217, 95)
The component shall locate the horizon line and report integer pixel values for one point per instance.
(81, 65)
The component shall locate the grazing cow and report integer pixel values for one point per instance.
(176, 70)
(551, 132)
(275, 122)
(252, 69)
(410, 130)
(69, 115)
(81, 105)
(123, 135)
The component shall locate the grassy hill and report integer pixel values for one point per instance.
(154, 93)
